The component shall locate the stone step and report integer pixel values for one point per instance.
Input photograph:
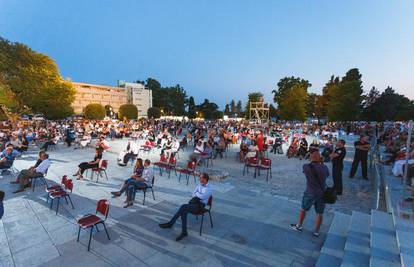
(357, 250)
(384, 247)
(333, 248)
(405, 240)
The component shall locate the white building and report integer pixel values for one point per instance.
(139, 96)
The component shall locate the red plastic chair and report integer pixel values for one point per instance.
(172, 163)
(100, 170)
(56, 187)
(190, 170)
(92, 220)
(203, 211)
(265, 164)
(251, 162)
(64, 193)
(162, 163)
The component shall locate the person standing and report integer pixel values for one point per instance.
(316, 173)
(361, 155)
(337, 157)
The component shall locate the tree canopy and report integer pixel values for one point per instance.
(293, 104)
(128, 111)
(172, 100)
(30, 82)
(94, 111)
(154, 113)
(345, 97)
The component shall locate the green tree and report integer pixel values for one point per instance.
(345, 98)
(209, 110)
(312, 102)
(154, 113)
(191, 108)
(227, 110)
(285, 85)
(322, 103)
(31, 81)
(252, 97)
(94, 111)
(387, 106)
(293, 104)
(272, 111)
(128, 111)
(239, 109)
(172, 100)
(232, 107)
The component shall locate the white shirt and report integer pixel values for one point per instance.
(203, 192)
(43, 166)
(147, 175)
(199, 149)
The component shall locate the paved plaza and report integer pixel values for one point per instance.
(251, 217)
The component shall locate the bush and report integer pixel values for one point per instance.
(154, 113)
(94, 111)
(128, 111)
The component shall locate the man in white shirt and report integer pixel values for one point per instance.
(201, 195)
(25, 175)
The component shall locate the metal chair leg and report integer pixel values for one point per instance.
(57, 207)
(78, 234)
(201, 226)
(145, 193)
(211, 220)
(70, 199)
(107, 234)
(153, 196)
(90, 238)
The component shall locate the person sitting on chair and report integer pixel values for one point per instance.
(25, 175)
(139, 183)
(137, 174)
(8, 156)
(89, 165)
(201, 195)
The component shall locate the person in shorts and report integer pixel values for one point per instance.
(316, 173)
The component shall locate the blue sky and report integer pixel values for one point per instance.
(220, 49)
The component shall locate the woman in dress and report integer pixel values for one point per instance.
(89, 165)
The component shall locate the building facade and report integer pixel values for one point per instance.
(125, 93)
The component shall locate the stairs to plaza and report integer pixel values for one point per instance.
(377, 240)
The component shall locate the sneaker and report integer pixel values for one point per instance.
(296, 227)
(315, 234)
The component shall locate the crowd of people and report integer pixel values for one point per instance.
(207, 140)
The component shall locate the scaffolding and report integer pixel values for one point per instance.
(259, 112)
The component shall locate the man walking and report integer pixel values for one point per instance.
(316, 173)
(361, 155)
(337, 157)
(201, 195)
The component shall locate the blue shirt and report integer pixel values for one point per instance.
(9, 157)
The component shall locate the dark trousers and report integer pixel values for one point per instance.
(337, 178)
(85, 165)
(182, 212)
(25, 175)
(354, 167)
